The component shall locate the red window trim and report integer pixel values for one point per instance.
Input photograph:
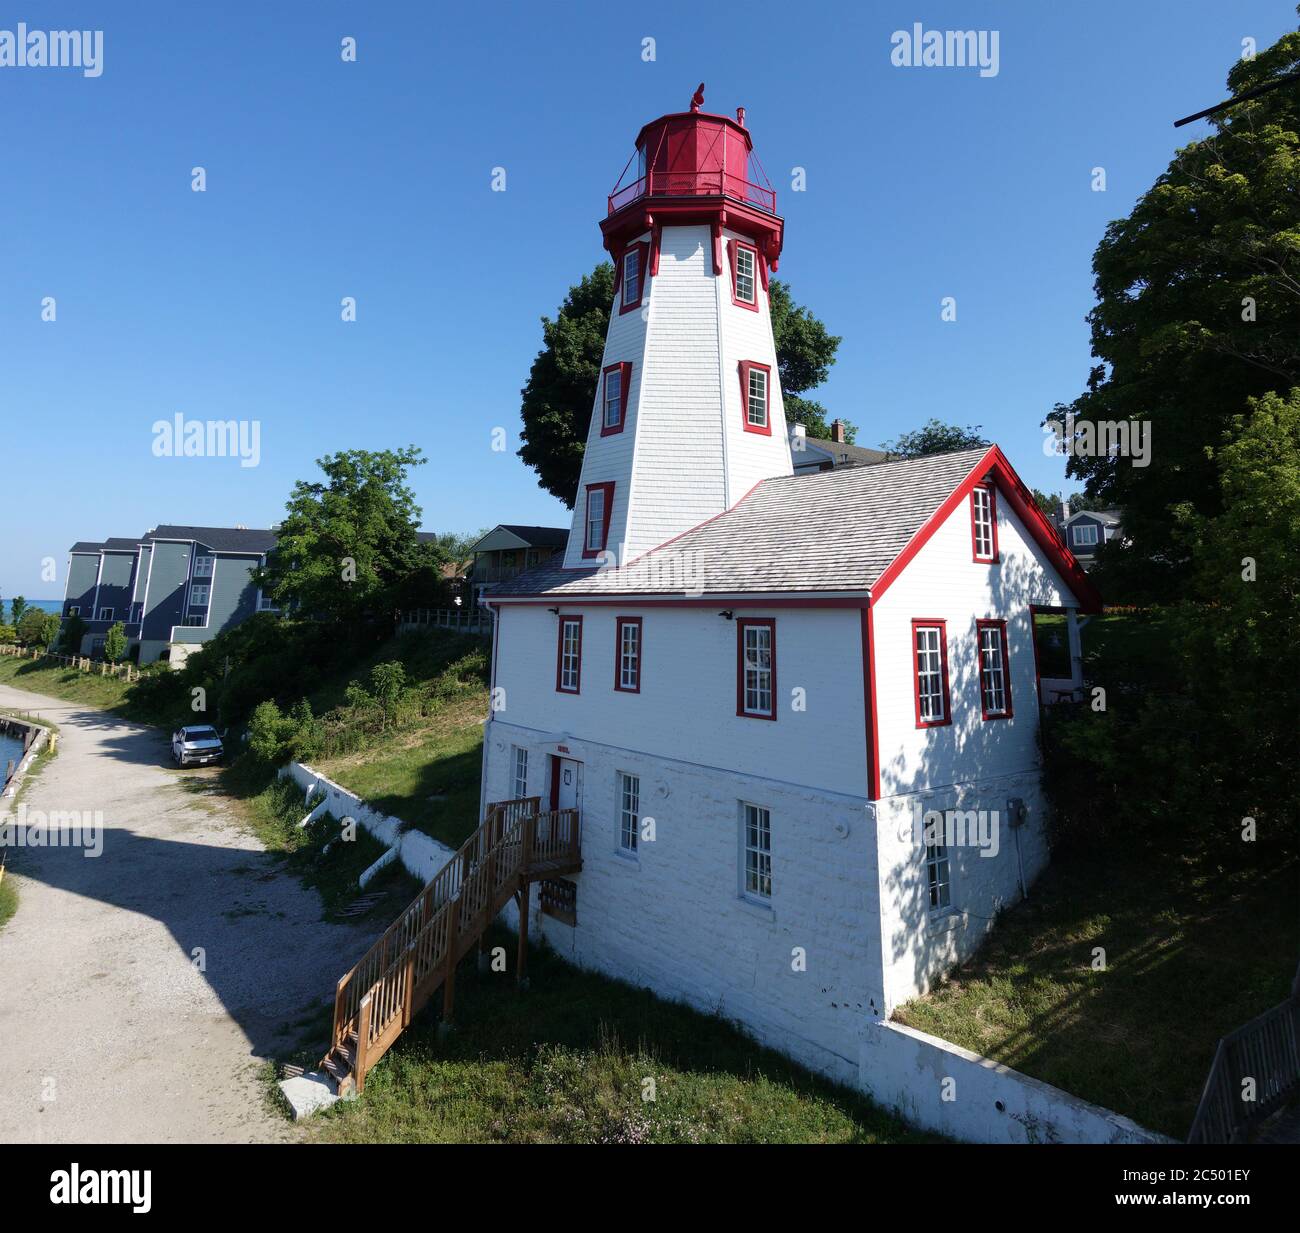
(1001, 626)
(745, 366)
(559, 656)
(742, 623)
(991, 489)
(930, 623)
(619, 622)
(625, 382)
(732, 247)
(643, 265)
(608, 488)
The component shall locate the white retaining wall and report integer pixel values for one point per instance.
(912, 1073)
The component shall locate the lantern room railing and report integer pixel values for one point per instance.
(694, 184)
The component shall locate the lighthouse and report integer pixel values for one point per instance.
(688, 414)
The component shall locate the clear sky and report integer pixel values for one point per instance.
(372, 179)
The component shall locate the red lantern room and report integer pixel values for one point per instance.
(692, 167)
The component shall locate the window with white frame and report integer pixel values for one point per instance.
(568, 676)
(519, 780)
(938, 876)
(1084, 534)
(757, 837)
(629, 811)
(745, 270)
(74, 610)
(613, 397)
(199, 592)
(995, 690)
(203, 567)
(631, 277)
(757, 684)
(931, 654)
(629, 655)
(983, 532)
(106, 614)
(756, 398)
(598, 498)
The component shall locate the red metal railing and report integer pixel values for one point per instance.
(694, 184)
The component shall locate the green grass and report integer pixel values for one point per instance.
(568, 1062)
(1134, 637)
(8, 899)
(426, 775)
(57, 681)
(1191, 951)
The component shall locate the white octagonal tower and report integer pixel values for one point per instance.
(688, 414)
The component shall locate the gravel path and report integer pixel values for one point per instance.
(109, 1031)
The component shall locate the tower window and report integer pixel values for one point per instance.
(630, 277)
(755, 397)
(744, 275)
(600, 505)
(616, 378)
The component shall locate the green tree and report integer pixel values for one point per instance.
(115, 642)
(70, 637)
(561, 389)
(1198, 311)
(348, 548)
(388, 681)
(16, 610)
(935, 438)
(8, 635)
(37, 628)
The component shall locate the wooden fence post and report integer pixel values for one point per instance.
(449, 973)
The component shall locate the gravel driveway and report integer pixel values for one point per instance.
(109, 1030)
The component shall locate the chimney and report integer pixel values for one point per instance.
(1065, 511)
(798, 438)
(837, 432)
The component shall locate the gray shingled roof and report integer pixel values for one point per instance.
(840, 452)
(825, 531)
(114, 543)
(219, 539)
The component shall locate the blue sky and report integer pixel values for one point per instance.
(327, 179)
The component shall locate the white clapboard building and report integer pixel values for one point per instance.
(757, 685)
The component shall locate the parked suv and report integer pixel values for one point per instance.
(196, 746)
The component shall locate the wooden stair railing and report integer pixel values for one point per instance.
(418, 953)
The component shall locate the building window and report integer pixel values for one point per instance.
(938, 876)
(519, 782)
(203, 567)
(106, 614)
(756, 668)
(744, 275)
(1084, 535)
(758, 852)
(568, 668)
(983, 523)
(265, 603)
(756, 397)
(137, 613)
(627, 654)
(930, 643)
(995, 684)
(199, 592)
(630, 277)
(616, 381)
(629, 813)
(600, 504)
(74, 610)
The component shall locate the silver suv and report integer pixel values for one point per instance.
(196, 746)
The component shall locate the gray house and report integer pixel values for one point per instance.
(174, 587)
(507, 550)
(1087, 530)
(809, 454)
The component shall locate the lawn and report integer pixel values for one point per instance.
(427, 775)
(573, 1059)
(57, 681)
(1191, 952)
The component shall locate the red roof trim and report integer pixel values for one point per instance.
(994, 464)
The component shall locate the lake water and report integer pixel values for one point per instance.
(10, 748)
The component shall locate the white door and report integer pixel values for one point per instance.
(570, 790)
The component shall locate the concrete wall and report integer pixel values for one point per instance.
(673, 918)
(943, 1088)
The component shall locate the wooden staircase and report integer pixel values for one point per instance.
(418, 953)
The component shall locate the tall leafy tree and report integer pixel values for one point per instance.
(16, 609)
(935, 437)
(348, 548)
(115, 642)
(561, 389)
(1198, 311)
